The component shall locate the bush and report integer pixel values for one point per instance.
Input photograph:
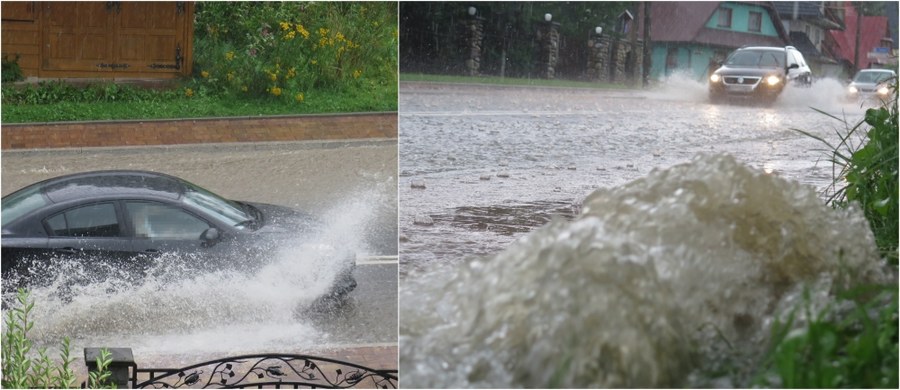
(21, 370)
(285, 50)
(10, 69)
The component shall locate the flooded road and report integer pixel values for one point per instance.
(615, 238)
(498, 161)
(349, 186)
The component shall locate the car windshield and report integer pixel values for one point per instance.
(872, 77)
(759, 58)
(20, 203)
(224, 210)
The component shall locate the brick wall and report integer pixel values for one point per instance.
(193, 131)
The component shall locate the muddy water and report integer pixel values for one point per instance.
(678, 230)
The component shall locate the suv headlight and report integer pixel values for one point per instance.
(853, 89)
(714, 78)
(773, 80)
(883, 90)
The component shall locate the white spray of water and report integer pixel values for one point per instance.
(179, 310)
(672, 275)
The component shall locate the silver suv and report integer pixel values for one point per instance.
(759, 72)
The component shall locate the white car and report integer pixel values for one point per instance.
(871, 84)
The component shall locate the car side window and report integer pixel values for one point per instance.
(156, 220)
(791, 59)
(96, 220)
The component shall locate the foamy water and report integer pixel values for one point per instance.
(662, 282)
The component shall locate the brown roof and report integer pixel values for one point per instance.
(685, 21)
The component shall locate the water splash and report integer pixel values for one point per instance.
(176, 309)
(656, 281)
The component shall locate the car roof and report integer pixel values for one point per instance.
(774, 48)
(876, 70)
(104, 184)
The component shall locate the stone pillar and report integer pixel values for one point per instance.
(596, 57)
(474, 38)
(549, 41)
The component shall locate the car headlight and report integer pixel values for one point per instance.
(714, 78)
(773, 80)
(883, 91)
(853, 89)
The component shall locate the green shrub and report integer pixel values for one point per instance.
(22, 370)
(285, 50)
(10, 69)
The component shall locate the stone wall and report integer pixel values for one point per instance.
(608, 60)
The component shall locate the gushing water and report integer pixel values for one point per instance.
(177, 310)
(657, 283)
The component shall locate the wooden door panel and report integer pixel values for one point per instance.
(118, 37)
(22, 11)
(150, 35)
(77, 35)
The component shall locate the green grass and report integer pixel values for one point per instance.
(162, 105)
(491, 80)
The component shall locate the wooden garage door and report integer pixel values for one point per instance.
(137, 37)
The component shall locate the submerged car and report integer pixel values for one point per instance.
(759, 72)
(128, 219)
(871, 83)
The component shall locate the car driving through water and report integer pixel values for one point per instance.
(127, 220)
(759, 72)
(871, 84)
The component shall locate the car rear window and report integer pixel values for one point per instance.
(20, 203)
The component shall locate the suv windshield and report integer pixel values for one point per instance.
(758, 58)
(222, 209)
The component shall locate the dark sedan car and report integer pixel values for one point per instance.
(129, 218)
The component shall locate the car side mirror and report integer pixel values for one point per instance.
(209, 237)
(794, 66)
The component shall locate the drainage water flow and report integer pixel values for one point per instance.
(666, 281)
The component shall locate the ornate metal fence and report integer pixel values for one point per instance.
(252, 371)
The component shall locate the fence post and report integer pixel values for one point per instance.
(122, 360)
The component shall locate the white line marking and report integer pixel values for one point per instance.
(377, 260)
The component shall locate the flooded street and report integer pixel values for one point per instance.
(614, 238)
(350, 186)
(498, 161)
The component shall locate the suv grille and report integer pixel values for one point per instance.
(741, 80)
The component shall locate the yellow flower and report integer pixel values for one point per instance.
(230, 76)
(299, 97)
(339, 37)
(285, 26)
(229, 56)
(291, 73)
(188, 92)
(289, 36)
(314, 61)
(323, 31)
(357, 73)
(276, 91)
(205, 74)
(244, 88)
(302, 31)
(273, 77)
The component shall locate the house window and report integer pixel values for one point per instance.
(754, 24)
(725, 17)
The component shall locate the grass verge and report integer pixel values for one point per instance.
(170, 105)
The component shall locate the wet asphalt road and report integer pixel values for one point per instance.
(482, 165)
(320, 177)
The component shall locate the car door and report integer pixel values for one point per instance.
(160, 228)
(91, 235)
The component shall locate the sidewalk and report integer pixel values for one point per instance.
(199, 130)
